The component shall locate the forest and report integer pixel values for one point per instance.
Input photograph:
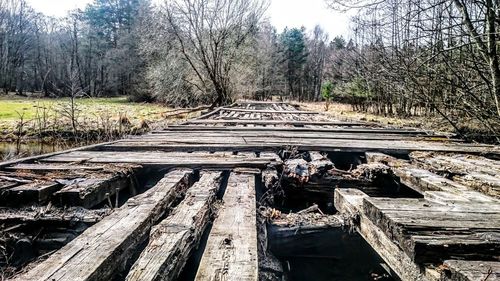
(404, 58)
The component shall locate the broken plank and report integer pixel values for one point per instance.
(231, 251)
(349, 202)
(172, 240)
(99, 252)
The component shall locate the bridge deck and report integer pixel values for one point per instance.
(163, 186)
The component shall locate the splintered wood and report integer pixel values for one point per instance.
(231, 252)
(173, 239)
(102, 249)
(344, 176)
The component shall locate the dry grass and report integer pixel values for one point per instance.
(344, 112)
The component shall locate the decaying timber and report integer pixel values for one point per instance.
(231, 252)
(426, 202)
(103, 248)
(173, 239)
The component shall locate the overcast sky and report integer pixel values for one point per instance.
(282, 13)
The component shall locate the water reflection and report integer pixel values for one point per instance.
(11, 150)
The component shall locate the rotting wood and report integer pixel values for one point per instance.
(319, 163)
(269, 111)
(382, 131)
(92, 191)
(172, 240)
(349, 202)
(460, 270)
(101, 250)
(231, 251)
(275, 122)
(45, 167)
(50, 215)
(34, 192)
(427, 183)
(430, 232)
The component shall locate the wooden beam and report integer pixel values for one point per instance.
(163, 159)
(98, 253)
(431, 185)
(276, 122)
(349, 202)
(231, 251)
(43, 215)
(172, 240)
(92, 191)
(346, 145)
(270, 111)
(49, 168)
(191, 128)
(429, 232)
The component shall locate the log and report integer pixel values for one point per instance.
(173, 239)
(99, 252)
(231, 251)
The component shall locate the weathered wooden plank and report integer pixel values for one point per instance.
(429, 184)
(269, 111)
(366, 130)
(276, 122)
(164, 159)
(38, 157)
(47, 168)
(231, 251)
(89, 192)
(172, 240)
(35, 192)
(50, 215)
(460, 270)
(101, 250)
(430, 232)
(349, 202)
(342, 145)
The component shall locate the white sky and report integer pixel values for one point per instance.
(282, 13)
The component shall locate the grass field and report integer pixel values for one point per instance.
(91, 113)
(12, 107)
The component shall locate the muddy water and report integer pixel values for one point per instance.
(10, 150)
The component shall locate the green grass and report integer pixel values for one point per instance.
(12, 107)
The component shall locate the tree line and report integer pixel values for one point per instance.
(404, 57)
(425, 57)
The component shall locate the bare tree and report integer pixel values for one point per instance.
(209, 34)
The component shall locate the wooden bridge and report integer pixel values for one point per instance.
(206, 176)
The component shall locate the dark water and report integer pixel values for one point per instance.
(328, 255)
(10, 150)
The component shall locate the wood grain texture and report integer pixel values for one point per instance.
(173, 239)
(231, 251)
(101, 250)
